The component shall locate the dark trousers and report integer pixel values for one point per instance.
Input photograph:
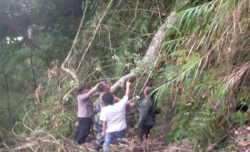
(144, 129)
(83, 129)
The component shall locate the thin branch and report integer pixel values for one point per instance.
(134, 17)
(110, 45)
(134, 10)
(25, 124)
(159, 11)
(97, 28)
(155, 62)
(64, 99)
(72, 73)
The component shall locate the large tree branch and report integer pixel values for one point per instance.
(151, 53)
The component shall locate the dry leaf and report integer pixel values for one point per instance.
(243, 143)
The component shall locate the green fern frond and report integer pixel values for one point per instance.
(187, 19)
(191, 63)
(180, 52)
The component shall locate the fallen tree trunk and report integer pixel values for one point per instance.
(151, 53)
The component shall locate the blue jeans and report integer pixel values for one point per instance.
(109, 136)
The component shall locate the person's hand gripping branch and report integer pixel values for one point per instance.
(96, 86)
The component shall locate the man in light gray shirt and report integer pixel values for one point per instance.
(85, 112)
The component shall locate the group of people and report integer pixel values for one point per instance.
(110, 121)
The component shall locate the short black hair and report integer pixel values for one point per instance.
(101, 87)
(108, 98)
(80, 89)
(149, 90)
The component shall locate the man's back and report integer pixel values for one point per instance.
(115, 115)
(148, 108)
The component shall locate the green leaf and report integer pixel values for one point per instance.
(144, 28)
(191, 63)
(180, 52)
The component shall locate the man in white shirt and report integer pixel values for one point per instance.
(113, 117)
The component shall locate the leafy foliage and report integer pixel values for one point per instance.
(196, 48)
(204, 61)
(193, 124)
(238, 117)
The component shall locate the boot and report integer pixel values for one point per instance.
(96, 146)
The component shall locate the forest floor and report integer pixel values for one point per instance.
(148, 145)
(236, 140)
(134, 145)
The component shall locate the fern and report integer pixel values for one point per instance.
(191, 63)
(180, 52)
(187, 19)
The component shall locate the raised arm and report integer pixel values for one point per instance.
(128, 83)
(124, 100)
(116, 99)
(89, 93)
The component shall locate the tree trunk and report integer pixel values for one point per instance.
(32, 69)
(8, 97)
(151, 53)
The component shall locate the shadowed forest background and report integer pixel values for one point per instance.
(194, 52)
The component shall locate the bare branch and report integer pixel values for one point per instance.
(134, 17)
(97, 28)
(72, 73)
